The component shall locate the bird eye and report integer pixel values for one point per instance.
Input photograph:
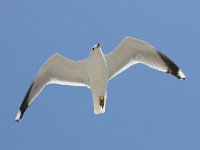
(93, 48)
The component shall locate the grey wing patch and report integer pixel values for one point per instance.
(172, 68)
(24, 105)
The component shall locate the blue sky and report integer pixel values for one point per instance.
(146, 109)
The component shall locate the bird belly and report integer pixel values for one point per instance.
(98, 77)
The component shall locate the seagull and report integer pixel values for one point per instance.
(95, 71)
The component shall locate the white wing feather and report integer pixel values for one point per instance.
(132, 51)
(56, 70)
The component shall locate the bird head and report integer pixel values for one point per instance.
(95, 47)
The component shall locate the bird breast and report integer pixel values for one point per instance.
(98, 74)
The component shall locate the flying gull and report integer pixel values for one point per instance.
(95, 71)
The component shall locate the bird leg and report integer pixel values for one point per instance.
(101, 101)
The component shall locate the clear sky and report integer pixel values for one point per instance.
(146, 109)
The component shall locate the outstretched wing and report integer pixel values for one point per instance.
(56, 70)
(132, 51)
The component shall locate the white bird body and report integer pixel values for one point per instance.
(98, 78)
(97, 70)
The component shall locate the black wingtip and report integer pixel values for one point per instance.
(18, 119)
(172, 67)
(24, 105)
(18, 116)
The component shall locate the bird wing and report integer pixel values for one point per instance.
(56, 70)
(132, 51)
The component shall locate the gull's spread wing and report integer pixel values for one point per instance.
(58, 70)
(132, 51)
